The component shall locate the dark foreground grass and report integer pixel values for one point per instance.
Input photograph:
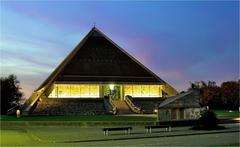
(79, 118)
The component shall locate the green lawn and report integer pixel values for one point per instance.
(16, 138)
(79, 118)
(226, 113)
(74, 136)
(219, 113)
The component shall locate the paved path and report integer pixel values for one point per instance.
(226, 139)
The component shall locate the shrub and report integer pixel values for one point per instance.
(207, 121)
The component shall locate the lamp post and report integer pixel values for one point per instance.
(18, 113)
(156, 110)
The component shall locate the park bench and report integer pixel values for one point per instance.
(149, 128)
(126, 129)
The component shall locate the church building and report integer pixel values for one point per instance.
(97, 68)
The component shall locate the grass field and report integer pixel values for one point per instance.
(226, 113)
(67, 131)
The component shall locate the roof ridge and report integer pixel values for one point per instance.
(71, 54)
(174, 98)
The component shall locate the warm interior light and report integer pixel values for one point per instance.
(111, 86)
(75, 91)
(143, 90)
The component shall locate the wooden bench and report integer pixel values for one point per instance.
(149, 128)
(126, 129)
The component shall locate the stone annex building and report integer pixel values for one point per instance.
(99, 77)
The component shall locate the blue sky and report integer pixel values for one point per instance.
(180, 41)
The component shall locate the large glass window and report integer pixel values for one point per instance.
(143, 90)
(74, 91)
(137, 90)
(154, 90)
(128, 90)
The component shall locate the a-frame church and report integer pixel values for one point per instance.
(99, 77)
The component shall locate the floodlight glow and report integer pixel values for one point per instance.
(111, 86)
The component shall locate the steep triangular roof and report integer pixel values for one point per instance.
(98, 59)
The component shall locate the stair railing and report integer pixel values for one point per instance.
(12, 110)
(31, 102)
(113, 105)
(133, 107)
(109, 105)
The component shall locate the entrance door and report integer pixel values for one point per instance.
(115, 91)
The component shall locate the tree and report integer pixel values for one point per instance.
(210, 93)
(230, 93)
(10, 93)
(211, 96)
(226, 96)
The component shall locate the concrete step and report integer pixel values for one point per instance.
(122, 107)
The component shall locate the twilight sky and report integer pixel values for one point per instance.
(179, 41)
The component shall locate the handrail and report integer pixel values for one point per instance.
(132, 106)
(11, 110)
(31, 102)
(114, 108)
(108, 102)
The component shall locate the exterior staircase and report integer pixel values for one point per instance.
(122, 107)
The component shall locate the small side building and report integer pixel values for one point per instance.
(183, 106)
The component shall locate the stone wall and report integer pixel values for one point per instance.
(178, 114)
(69, 106)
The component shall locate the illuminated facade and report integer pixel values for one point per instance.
(75, 91)
(101, 90)
(98, 67)
(143, 90)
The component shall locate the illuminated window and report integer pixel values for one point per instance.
(142, 90)
(154, 90)
(84, 90)
(63, 90)
(74, 91)
(94, 90)
(128, 90)
(145, 90)
(137, 90)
